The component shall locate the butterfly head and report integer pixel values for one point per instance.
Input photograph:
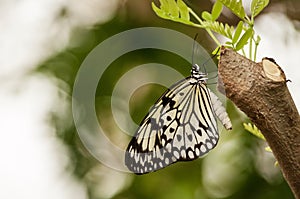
(197, 74)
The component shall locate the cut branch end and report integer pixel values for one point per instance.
(272, 70)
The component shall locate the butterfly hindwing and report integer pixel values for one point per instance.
(181, 126)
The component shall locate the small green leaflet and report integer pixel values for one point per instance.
(235, 6)
(257, 6)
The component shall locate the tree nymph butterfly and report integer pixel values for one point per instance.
(181, 126)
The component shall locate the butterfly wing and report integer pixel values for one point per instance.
(181, 126)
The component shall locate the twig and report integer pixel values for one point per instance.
(260, 90)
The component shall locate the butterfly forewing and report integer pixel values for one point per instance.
(181, 126)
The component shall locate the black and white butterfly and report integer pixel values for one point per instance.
(181, 126)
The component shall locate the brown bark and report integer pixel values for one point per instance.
(260, 90)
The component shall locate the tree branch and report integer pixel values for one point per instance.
(260, 90)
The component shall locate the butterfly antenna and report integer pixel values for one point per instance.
(194, 46)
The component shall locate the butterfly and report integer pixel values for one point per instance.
(180, 126)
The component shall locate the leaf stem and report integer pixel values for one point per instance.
(250, 47)
(256, 42)
(255, 50)
(195, 15)
(208, 30)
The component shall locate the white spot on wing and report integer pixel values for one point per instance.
(191, 154)
(176, 154)
(202, 149)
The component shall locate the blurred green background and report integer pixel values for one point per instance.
(238, 167)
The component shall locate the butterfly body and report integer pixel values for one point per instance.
(181, 126)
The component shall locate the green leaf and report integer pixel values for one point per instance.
(216, 51)
(168, 9)
(183, 10)
(206, 16)
(172, 8)
(268, 149)
(229, 30)
(158, 11)
(257, 6)
(216, 10)
(175, 11)
(235, 6)
(254, 130)
(238, 32)
(219, 27)
(257, 40)
(163, 4)
(244, 39)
